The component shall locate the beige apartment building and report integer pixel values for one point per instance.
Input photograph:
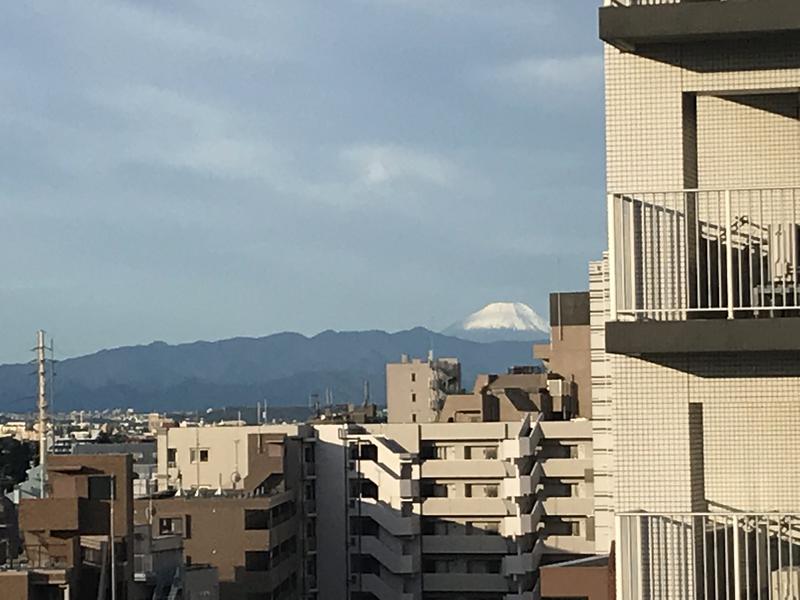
(243, 498)
(417, 388)
(696, 305)
(451, 510)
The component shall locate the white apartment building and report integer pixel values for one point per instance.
(450, 510)
(696, 305)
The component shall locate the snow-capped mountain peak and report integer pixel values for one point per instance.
(501, 321)
(506, 315)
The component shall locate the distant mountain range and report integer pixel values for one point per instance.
(284, 368)
(501, 321)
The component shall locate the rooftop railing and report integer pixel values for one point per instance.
(704, 254)
(626, 3)
(708, 556)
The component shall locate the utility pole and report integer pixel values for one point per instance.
(42, 406)
(113, 495)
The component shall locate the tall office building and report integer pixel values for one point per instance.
(696, 305)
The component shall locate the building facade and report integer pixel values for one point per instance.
(696, 306)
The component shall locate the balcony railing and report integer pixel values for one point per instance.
(708, 556)
(626, 3)
(704, 253)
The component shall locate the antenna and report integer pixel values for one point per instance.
(366, 393)
(42, 406)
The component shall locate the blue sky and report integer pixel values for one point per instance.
(187, 170)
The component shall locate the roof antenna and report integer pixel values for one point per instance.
(366, 393)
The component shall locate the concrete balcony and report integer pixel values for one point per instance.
(527, 562)
(725, 554)
(478, 507)
(568, 544)
(435, 469)
(475, 582)
(571, 468)
(628, 24)
(389, 483)
(569, 507)
(704, 255)
(524, 485)
(387, 517)
(468, 544)
(382, 590)
(529, 522)
(396, 562)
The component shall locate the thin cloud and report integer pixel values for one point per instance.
(538, 72)
(377, 165)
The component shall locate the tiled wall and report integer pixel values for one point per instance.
(750, 419)
(670, 123)
(602, 431)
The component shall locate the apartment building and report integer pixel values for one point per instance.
(696, 305)
(243, 500)
(252, 541)
(417, 388)
(67, 535)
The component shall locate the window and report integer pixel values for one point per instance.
(413, 417)
(483, 566)
(194, 453)
(170, 526)
(413, 377)
(256, 519)
(444, 452)
(413, 397)
(482, 490)
(483, 528)
(172, 457)
(100, 487)
(482, 452)
(256, 561)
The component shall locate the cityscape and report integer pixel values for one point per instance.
(638, 440)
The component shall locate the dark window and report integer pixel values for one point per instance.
(413, 377)
(172, 457)
(363, 563)
(170, 526)
(413, 397)
(100, 487)
(369, 452)
(256, 519)
(187, 530)
(256, 561)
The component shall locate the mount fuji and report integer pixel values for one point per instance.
(501, 321)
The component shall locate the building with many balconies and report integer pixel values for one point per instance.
(696, 305)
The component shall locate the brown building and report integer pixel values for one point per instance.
(257, 528)
(583, 579)
(568, 355)
(66, 535)
(252, 540)
(498, 398)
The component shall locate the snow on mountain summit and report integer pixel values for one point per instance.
(506, 315)
(501, 321)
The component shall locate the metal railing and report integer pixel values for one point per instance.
(627, 3)
(704, 253)
(708, 556)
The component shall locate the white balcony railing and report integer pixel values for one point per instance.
(647, 2)
(708, 556)
(704, 253)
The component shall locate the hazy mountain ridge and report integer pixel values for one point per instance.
(284, 368)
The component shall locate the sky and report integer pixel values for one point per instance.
(201, 169)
